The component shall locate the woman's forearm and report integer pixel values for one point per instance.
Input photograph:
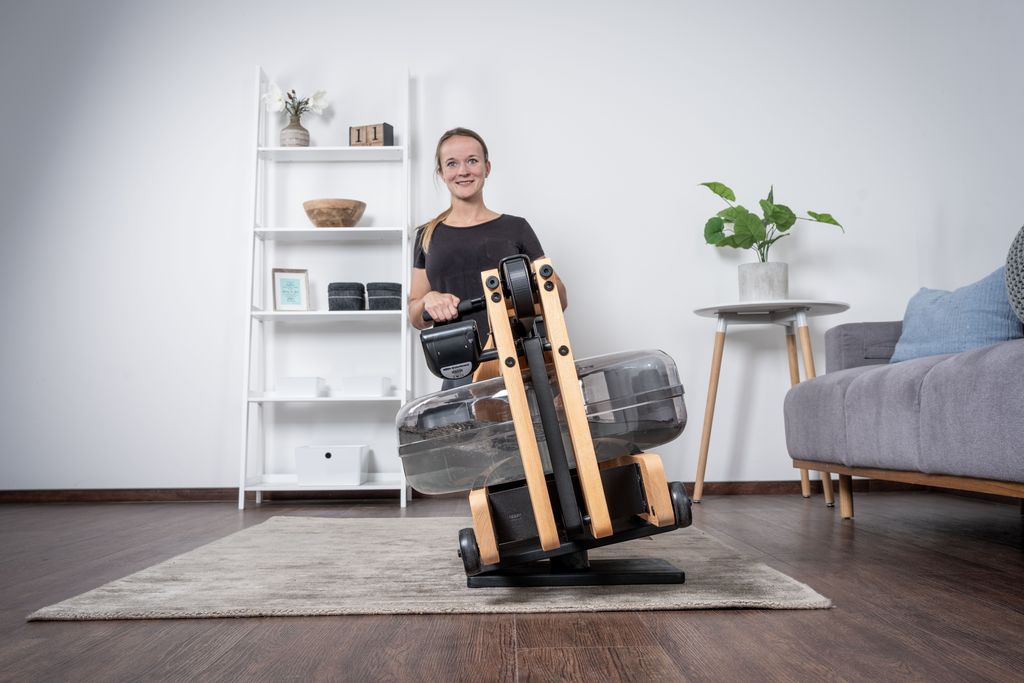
(416, 314)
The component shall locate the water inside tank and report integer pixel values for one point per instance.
(464, 438)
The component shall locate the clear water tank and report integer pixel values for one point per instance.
(463, 438)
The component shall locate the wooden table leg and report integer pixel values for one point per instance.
(709, 409)
(794, 379)
(805, 343)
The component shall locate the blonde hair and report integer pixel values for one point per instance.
(428, 228)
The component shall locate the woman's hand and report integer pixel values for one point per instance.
(441, 306)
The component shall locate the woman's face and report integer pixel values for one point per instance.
(463, 167)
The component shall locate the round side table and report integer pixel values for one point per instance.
(791, 314)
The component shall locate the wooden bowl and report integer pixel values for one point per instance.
(334, 213)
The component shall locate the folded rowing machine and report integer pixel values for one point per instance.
(540, 504)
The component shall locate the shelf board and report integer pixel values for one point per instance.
(383, 481)
(332, 153)
(271, 398)
(330, 234)
(327, 316)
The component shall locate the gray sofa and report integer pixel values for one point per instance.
(952, 421)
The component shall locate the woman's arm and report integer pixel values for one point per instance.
(439, 305)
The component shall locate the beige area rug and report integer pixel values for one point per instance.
(295, 566)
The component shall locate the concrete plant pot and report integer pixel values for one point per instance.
(764, 281)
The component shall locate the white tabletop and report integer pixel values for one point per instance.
(761, 308)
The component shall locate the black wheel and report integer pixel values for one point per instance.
(680, 504)
(520, 287)
(469, 551)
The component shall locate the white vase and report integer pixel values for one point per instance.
(764, 281)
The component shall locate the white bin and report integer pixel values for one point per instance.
(331, 464)
(300, 387)
(365, 385)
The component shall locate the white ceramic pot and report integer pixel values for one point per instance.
(764, 281)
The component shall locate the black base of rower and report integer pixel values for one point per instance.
(595, 573)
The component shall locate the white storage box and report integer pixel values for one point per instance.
(331, 464)
(304, 387)
(369, 385)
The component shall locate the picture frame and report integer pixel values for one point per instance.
(291, 289)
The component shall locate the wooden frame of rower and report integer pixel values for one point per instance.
(569, 563)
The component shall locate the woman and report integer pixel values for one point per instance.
(465, 239)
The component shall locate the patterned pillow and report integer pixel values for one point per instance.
(938, 321)
(1015, 275)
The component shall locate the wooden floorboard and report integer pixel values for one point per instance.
(927, 587)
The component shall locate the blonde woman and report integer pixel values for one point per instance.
(465, 239)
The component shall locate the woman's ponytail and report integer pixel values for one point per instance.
(428, 229)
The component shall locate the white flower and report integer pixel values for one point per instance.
(274, 99)
(318, 102)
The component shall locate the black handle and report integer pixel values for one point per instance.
(465, 306)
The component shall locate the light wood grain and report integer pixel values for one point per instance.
(652, 473)
(574, 408)
(483, 526)
(709, 415)
(805, 344)
(1002, 488)
(526, 437)
(794, 379)
(845, 496)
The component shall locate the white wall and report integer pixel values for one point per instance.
(123, 189)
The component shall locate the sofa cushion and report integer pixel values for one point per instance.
(939, 322)
(883, 415)
(867, 416)
(815, 417)
(972, 414)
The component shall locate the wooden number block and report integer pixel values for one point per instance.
(357, 136)
(380, 135)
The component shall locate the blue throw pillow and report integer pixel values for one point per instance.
(938, 322)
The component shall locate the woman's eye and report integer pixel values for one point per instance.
(472, 161)
(450, 164)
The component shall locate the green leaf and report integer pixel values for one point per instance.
(771, 195)
(730, 241)
(783, 217)
(749, 229)
(766, 209)
(713, 231)
(824, 218)
(729, 215)
(721, 190)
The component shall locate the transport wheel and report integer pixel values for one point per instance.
(680, 504)
(469, 551)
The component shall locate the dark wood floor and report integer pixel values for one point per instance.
(926, 586)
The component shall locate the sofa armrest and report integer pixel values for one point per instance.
(855, 344)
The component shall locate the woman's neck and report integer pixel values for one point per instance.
(468, 213)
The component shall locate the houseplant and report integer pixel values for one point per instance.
(294, 134)
(738, 227)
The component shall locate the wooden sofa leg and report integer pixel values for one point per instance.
(826, 488)
(805, 484)
(846, 496)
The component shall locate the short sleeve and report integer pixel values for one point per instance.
(419, 257)
(529, 243)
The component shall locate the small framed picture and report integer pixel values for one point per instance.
(291, 289)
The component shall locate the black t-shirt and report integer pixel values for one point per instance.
(457, 255)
